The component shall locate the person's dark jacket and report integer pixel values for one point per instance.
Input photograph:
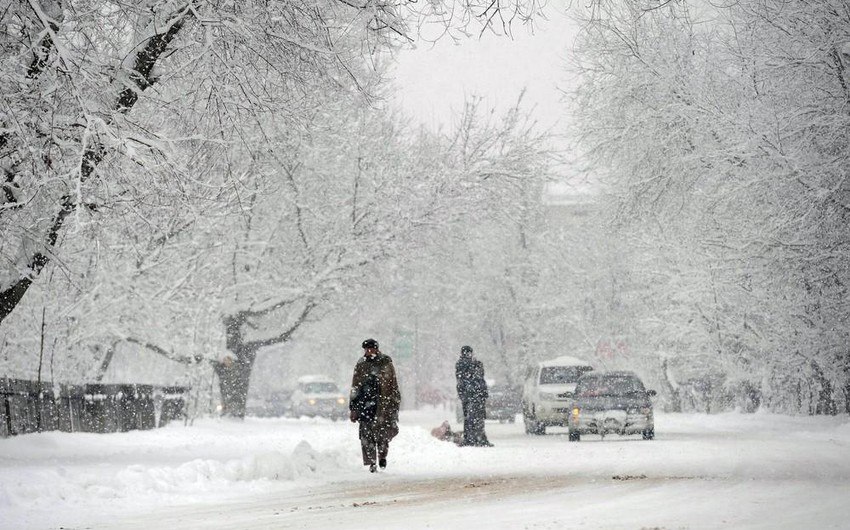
(375, 394)
(469, 372)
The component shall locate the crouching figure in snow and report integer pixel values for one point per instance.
(374, 402)
(445, 433)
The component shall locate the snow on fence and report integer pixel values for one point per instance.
(30, 406)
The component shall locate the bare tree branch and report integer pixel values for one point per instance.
(182, 359)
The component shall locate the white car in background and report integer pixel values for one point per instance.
(549, 391)
(319, 395)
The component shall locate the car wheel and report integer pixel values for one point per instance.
(532, 427)
(574, 436)
(648, 434)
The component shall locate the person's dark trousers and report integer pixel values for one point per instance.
(468, 429)
(373, 443)
(473, 422)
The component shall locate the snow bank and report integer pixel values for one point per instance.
(213, 459)
(175, 465)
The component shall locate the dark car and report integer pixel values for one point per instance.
(275, 404)
(611, 403)
(503, 404)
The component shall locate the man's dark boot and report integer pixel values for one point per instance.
(382, 463)
(373, 468)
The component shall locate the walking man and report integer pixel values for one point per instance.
(472, 392)
(374, 402)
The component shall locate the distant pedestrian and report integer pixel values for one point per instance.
(472, 392)
(374, 402)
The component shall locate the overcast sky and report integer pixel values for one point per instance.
(433, 80)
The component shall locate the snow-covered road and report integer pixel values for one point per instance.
(719, 471)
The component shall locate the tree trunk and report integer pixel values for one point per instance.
(671, 390)
(847, 396)
(11, 297)
(107, 360)
(234, 373)
(846, 384)
(826, 402)
(234, 377)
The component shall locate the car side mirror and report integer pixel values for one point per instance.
(651, 393)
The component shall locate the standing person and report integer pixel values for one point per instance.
(472, 392)
(374, 402)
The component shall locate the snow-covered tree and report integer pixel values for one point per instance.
(721, 133)
(315, 220)
(90, 87)
(128, 131)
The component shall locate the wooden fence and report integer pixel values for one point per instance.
(29, 406)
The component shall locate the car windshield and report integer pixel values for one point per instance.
(320, 388)
(609, 386)
(562, 375)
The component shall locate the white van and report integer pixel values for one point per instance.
(319, 395)
(548, 392)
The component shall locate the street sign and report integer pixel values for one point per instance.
(403, 345)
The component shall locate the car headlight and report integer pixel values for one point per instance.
(341, 401)
(548, 396)
(311, 401)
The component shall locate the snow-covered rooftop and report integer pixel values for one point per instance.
(315, 378)
(565, 360)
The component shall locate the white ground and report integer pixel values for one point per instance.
(718, 471)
